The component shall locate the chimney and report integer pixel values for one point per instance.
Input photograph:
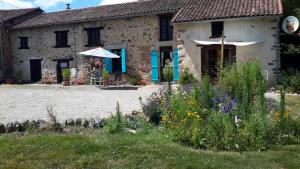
(68, 7)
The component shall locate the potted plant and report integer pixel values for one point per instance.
(105, 77)
(66, 73)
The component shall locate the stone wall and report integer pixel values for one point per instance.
(138, 35)
(249, 29)
(5, 45)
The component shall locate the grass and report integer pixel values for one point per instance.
(152, 150)
(144, 150)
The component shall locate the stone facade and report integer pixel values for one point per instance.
(5, 38)
(137, 34)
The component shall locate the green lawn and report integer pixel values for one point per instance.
(95, 149)
(153, 150)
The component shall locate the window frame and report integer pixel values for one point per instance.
(94, 37)
(217, 28)
(62, 38)
(165, 28)
(24, 44)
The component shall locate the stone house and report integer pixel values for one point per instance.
(146, 34)
(9, 18)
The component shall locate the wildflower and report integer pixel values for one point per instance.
(277, 116)
(286, 114)
(164, 118)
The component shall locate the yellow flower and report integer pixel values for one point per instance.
(164, 118)
(286, 114)
(277, 116)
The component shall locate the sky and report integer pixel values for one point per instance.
(55, 5)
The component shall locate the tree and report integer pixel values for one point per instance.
(291, 8)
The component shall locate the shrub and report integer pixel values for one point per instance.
(66, 73)
(186, 77)
(244, 82)
(134, 78)
(152, 106)
(115, 122)
(290, 80)
(230, 116)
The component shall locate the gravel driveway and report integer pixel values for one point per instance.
(30, 102)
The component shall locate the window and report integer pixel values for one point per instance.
(23, 43)
(62, 39)
(93, 37)
(117, 62)
(217, 29)
(166, 29)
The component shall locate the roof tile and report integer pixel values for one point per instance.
(187, 11)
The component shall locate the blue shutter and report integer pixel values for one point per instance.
(123, 55)
(108, 64)
(154, 65)
(176, 65)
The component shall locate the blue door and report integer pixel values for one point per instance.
(176, 65)
(154, 65)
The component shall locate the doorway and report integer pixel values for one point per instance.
(117, 62)
(35, 70)
(211, 56)
(61, 64)
(166, 53)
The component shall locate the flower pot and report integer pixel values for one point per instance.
(105, 82)
(66, 83)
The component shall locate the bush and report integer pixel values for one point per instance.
(186, 77)
(244, 82)
(152, 106)
(290, 80)
(134, 78)
(230, 116)
(66, 73)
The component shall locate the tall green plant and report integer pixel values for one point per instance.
(282, 109)
(243, 80)
(168, 74)
(262, 100)
(115, 123)
(207, 92)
